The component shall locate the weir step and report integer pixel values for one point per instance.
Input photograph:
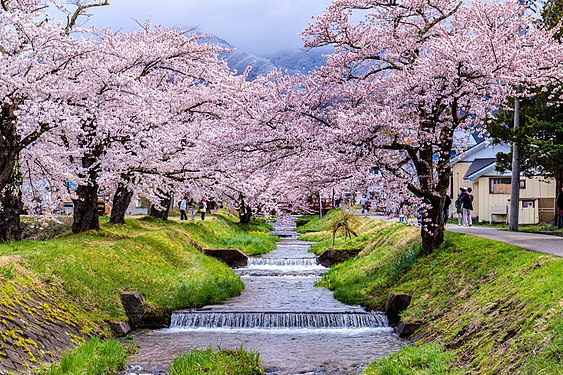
(281, 262)
(277, 320)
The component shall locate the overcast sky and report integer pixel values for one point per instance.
(260, 27)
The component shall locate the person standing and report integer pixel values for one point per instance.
(363, 204)
(447, 204)
(560, 207)
(203, 208)
(467, 207)
(191, 206)
(459, 205)
(183, 205)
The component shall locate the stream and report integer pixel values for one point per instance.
(296, 327)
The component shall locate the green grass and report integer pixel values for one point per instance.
(495, 308)
(93, 358)
(414, 360)
(160, 259)
(369, 233)
(220, 362)
(226, 232)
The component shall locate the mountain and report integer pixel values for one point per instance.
(299, 61)
(292, 62)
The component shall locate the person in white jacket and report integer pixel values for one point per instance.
(183, 206)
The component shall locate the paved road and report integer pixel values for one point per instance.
(541, 243)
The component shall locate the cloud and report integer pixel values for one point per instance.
(260, 27)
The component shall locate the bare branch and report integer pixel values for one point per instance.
(81, 11)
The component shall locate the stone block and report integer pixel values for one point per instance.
(121, 328)
(133, 304)
(330, 257)
(405, 330)
(233, 257)
(396, 303)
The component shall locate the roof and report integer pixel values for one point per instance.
(472, 150)
(478, 165)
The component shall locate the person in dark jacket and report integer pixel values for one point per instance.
(447, 204)
(467, 201)
(459, 205)
(560, 207)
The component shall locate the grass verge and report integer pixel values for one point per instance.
(220, 362)
(160, 259)
(494, 308)
(93, 357)
(411, 360)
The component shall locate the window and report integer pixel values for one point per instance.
(528, 204)
(500, 185)
(503, 185)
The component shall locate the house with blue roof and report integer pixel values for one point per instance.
(476, 168)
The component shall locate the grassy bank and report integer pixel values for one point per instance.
(493, 308)
(384, 236)
(160, 259)
(75, 280)
(219, 362)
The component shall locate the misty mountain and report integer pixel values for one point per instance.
(292, 62)
(299, 61)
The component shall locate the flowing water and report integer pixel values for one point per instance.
(296, 327)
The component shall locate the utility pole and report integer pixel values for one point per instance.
(515, 193)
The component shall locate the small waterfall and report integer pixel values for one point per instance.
(277, 320)
(282, 262)
(284, 233)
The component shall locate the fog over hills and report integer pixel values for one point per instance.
(295, 61)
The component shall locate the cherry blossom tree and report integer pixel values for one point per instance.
(37, 55)
(138, 94)
(411, 72)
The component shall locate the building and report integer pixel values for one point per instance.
(475, 168)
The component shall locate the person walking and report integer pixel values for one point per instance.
(447, 204)
(560, 206)
(203, 208)
(191, 205)
(467, 207)
(459, 206)
(183, 205)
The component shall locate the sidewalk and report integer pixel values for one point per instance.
(541, 243)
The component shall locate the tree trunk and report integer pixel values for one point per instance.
(165, 202)
(432, 228)
(245, 215)
(121, 201)
(245, 212)
(433, 171)
(11, 205)
(86, 204)
(86, 209)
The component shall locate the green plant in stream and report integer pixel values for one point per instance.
(93, 358)
(220, 362)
